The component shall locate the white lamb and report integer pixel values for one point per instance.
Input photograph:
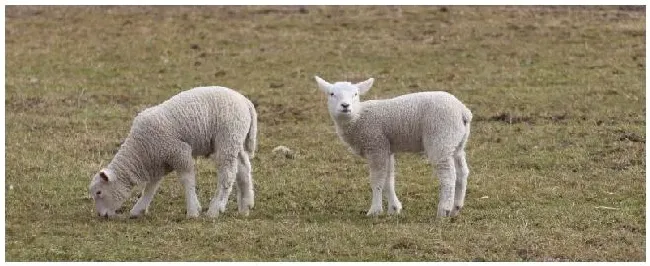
(432, 122)
(204, 121)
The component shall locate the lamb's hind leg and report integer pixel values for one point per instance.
(245, 192)
(447, 174)
(225, 180)
(394, 205)
(462, 171)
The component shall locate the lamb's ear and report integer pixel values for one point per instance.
(323, 85)
(104, 174)
(364, 86)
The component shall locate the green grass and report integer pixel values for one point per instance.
(558, 96)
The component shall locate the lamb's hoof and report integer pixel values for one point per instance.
(134, 214)
(395, 209)
(250, 202)
(374, 212)
(456, 211)
(444, 213)
(193, 214)
(246, 204)
(214, 212)
(245, 209)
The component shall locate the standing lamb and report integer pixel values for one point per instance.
(204, 121)
(432, 122)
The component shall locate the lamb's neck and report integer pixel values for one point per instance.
(345, 123)
(128, 165)
(345, 127)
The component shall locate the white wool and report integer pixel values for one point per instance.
(204, 121)
(435, 123)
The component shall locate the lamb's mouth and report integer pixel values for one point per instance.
(345, 111)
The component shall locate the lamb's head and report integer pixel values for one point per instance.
(343, 97)
(108, 192)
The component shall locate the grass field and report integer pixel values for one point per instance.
(557, 151)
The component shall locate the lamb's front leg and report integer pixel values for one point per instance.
(378, 171)
(394, 205)
(447, 175)
(183, 163)
(142, 206)
(188, 179)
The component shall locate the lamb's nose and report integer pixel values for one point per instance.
(345, 105)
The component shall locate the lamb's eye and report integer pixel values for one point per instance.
(355, 94)
(98, 193)
(331, 94)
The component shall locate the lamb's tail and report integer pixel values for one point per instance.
(467, 116)
(251, 139)
(467, 120)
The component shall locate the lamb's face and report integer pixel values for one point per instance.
(107, 193)
(343, 97)
(343, 100)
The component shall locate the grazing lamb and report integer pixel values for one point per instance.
(204, 121)
(435, 123)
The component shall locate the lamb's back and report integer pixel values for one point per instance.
(195, 116)
(406, 119)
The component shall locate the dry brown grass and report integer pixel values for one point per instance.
(558, 96)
